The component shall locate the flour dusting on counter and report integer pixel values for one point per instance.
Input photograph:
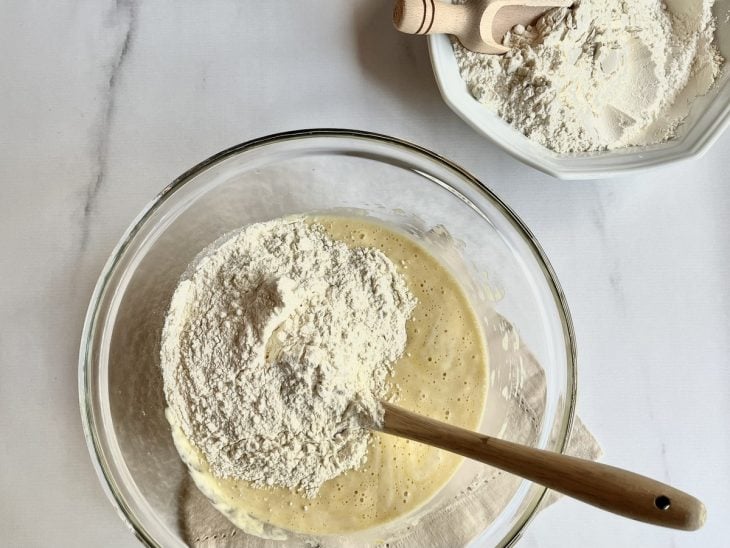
(600, 75)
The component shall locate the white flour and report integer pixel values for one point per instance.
(600, 75)
(276, 350)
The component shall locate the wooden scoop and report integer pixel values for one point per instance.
(613, 489)
(480, 25)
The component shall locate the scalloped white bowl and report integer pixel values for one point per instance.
(709, 116)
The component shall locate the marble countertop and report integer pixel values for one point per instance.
(103, 103)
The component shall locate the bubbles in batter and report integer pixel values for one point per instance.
(442, 374)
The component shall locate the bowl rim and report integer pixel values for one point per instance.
(438, 44)
(88, 416)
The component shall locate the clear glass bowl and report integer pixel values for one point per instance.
(407, 186)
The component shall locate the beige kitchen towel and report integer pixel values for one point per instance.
(462, 516)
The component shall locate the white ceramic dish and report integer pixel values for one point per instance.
(709, 116)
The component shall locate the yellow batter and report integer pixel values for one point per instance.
(443, 374)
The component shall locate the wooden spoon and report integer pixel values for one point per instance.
(613, 489)
(480, 25)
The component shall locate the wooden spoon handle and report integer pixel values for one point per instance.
(613, 489)
(432, 17)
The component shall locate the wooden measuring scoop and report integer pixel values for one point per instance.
(480, 25)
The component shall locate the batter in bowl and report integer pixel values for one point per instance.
(441, 372)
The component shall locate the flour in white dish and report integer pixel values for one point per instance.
(600, 75)
(276, 351)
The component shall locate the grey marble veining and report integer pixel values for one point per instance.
(122, 19)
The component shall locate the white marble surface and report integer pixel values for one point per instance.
(102, 103)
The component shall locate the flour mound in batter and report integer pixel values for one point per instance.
(276, 351)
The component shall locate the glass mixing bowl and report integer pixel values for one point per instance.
(512, 285)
